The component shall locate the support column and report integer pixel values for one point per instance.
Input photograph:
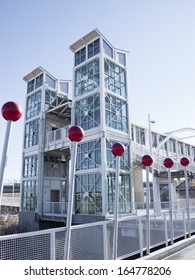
(138, 185)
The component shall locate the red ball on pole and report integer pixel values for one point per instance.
(147, 160)
(184, 161)
(11, 111)
(118, 149)
(168, 163)
(75, 133)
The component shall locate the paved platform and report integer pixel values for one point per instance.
(187, 253)
(181, 250)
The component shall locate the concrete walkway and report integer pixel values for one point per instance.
(181, 250)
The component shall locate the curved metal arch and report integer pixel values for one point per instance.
(170, 134)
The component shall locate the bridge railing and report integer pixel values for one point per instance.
(94, 241)
(138, 151)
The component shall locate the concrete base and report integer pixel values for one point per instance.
(27, 221)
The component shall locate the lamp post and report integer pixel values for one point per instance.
(155, 197)
(147, 161)
(168, 163)
(11, 112)
(184, 161)
(117, 150)
(75, 135)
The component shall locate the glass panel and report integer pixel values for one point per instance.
(122, 58)
(88, 197)
(89, 155)
(31, 134)
(64, 87)
(80, 56)
(93, 48)
(116, 113)
(39, 81)
(33, 105)
(87, 112)
(30, 86)
(50, 96)
(30, 166)
(50, 81)
(124, 193)
(115, 78)
(108, 50)
(29, 195)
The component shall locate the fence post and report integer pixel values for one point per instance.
(52, 245)
(105, 243)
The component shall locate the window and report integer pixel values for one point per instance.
(121, 58)
(115, 78)
(30, 166)
(31, 133)
(187, 149)
(108, 50)
(116, 113)
(64, 87)
(124, 193)
(80, 56)
(87, 112)
(172, 146)
(30, 86)
(88, 194)
(39, 81)
(50, 97)
(93, 48)
(140, 135)
(29, 195)
(180, 148)
(33, 105)
(87, 78)
(50, 81)
(89, 155)
(154, 140)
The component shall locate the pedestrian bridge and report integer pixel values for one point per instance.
(160, 146)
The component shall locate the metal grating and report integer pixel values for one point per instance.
(94, 241)
(35, 247)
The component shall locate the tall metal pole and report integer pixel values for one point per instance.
(4, 156)
(147, 211)
(70, 201)
(184, 162)
(168, 163)
(155, 197)
(117, 150)
(187, 201)
(147, 161)
(75, 135)
(116, 208)
(170, 204)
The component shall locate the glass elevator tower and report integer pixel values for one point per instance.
(96, 99)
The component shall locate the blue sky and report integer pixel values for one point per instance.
(159, 35)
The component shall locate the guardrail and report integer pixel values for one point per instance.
(94, 241)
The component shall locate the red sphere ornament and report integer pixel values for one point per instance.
(118, 149)
(147, 160)
(75, 133)
(184, 161)
(11, 111)
(168, 163)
